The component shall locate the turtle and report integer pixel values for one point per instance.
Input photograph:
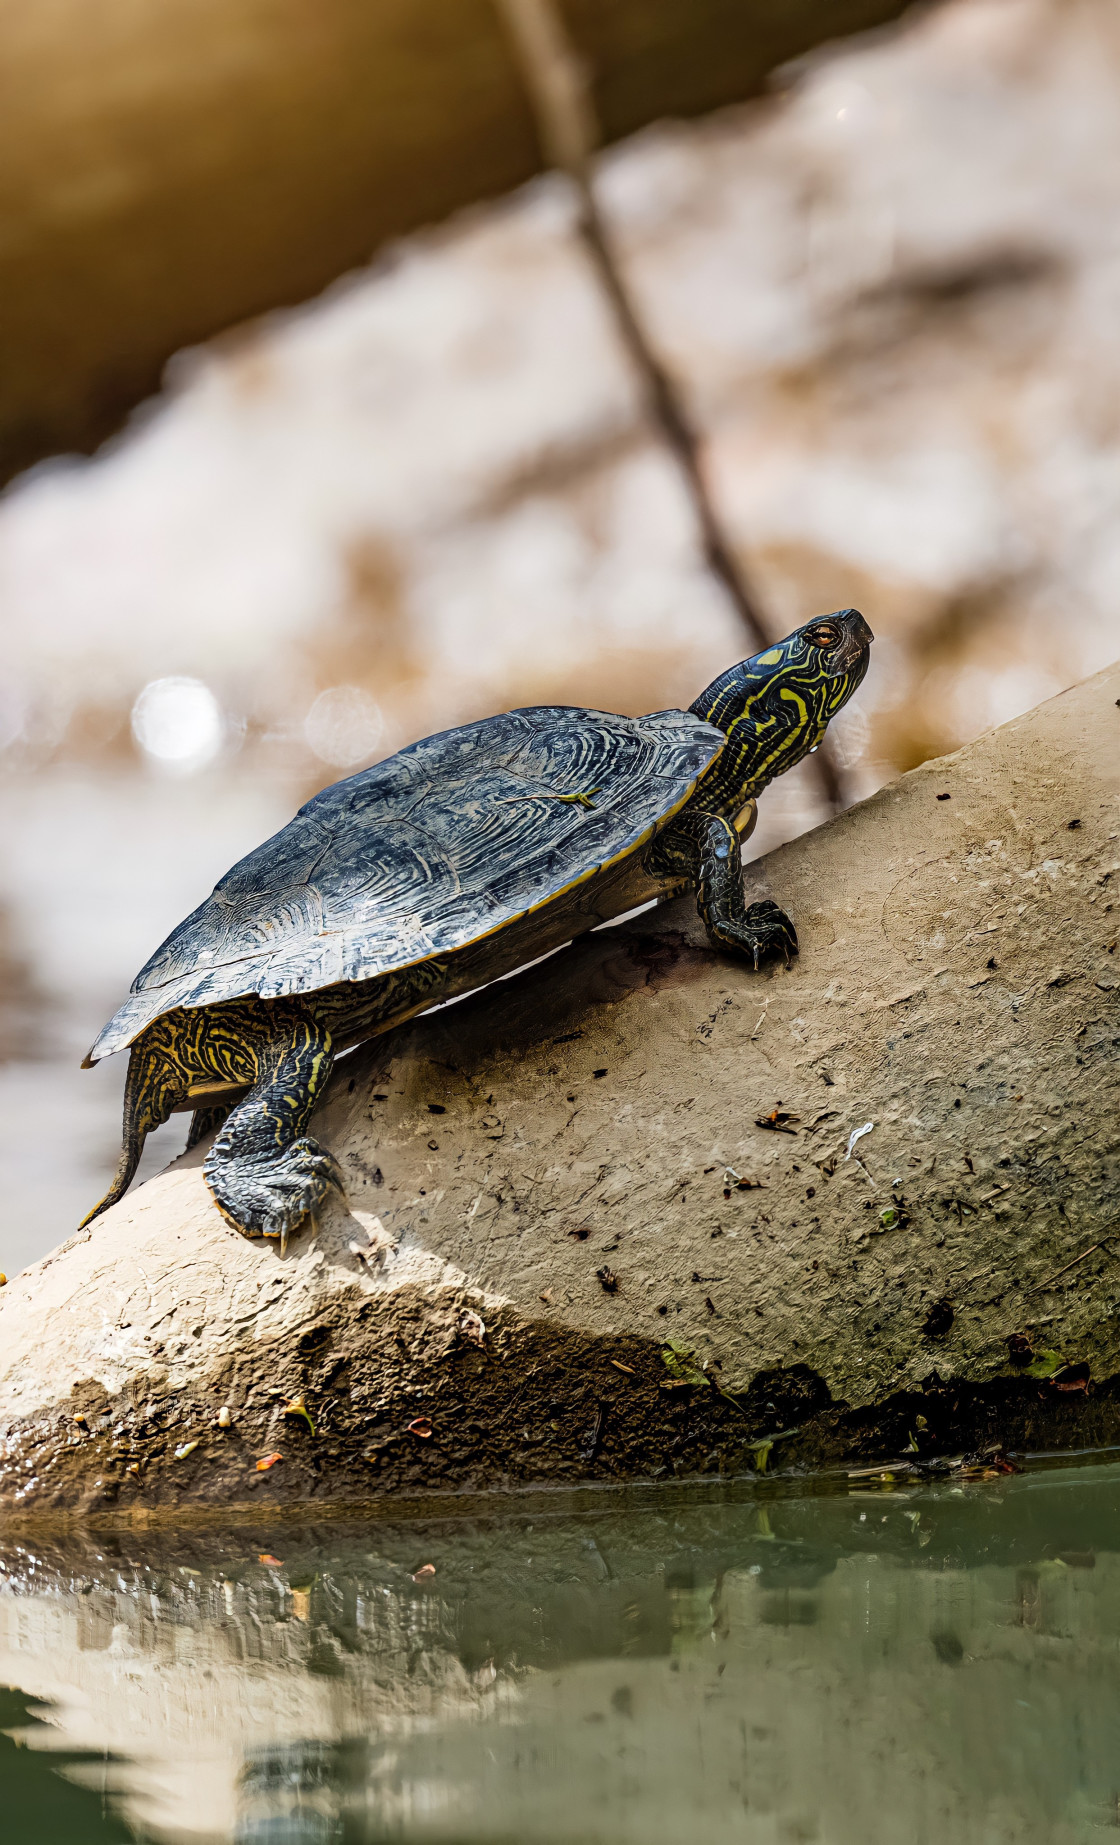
(462, 857)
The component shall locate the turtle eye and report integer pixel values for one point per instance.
(822, 634)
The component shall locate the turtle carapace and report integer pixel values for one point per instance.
(459, 859)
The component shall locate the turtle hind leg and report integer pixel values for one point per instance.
(204, 1121)
(266, 1175)
(157, 1079)
(755, 929)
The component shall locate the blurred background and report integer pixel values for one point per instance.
(321, 432)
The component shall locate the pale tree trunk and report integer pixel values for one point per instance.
(171, 170)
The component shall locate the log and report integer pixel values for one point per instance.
(611, 1219)
(171, 170)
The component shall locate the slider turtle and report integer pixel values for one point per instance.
(460, 858)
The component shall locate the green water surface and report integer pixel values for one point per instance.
(875, 1663)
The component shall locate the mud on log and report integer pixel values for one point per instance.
(609, 1219)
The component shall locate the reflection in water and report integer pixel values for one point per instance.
(927, 1665)
(41, 1804)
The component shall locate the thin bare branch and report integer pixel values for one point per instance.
(557, 82)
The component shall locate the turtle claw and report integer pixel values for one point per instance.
(272, 1197)
(763, 930)
(769, 931)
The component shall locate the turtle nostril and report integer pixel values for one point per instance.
(860, 628)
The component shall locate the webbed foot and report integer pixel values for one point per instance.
(762, 930)
(271, 1196)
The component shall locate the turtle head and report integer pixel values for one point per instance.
(776, 706)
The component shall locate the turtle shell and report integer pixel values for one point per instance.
(455, 838)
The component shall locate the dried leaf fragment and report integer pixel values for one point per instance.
(993, 1464)
(736, 1179)
(939, 1320)
(298, 1407)
(680, 1362)
(761, 1451)
(779, 1121)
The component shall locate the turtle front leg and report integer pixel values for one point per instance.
(265, 1173)
(755, 929)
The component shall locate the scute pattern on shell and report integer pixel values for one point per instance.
(451, 839)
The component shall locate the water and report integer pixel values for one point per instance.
(861, 1665)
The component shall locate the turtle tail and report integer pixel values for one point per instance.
(155, 1083)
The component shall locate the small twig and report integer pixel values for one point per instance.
(591, 1448)
(556, 80)
(1043, 1285)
